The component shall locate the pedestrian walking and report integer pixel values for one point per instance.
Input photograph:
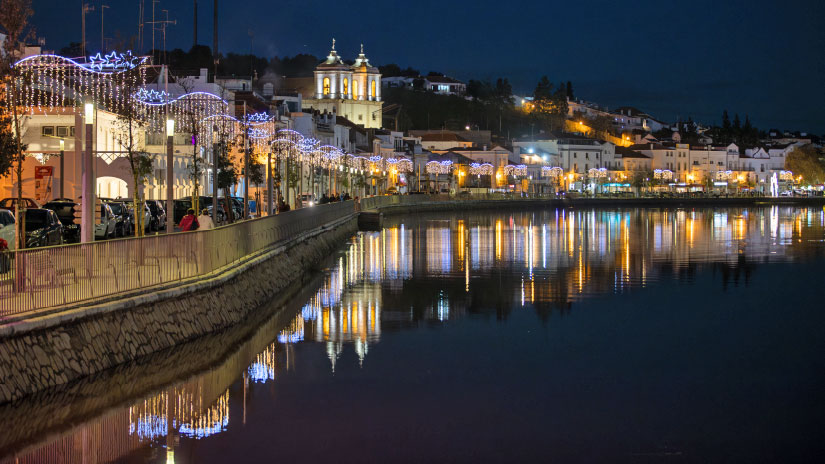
(205, 221)
(189, 222)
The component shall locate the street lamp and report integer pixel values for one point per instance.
(87, 202)
(62, 179)
(170, 176)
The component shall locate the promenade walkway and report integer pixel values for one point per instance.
(38, 280)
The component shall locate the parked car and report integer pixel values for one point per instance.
(106, 228)
(221, 217)
(64, 208)
(123, 218)
(7, 231)
(43, 228)
(158, 214)
(11, 204)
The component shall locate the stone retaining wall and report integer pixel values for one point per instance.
(44, 355)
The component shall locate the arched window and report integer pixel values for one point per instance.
(355, 89)
(326, 86)
(372, 89)
(346, 86)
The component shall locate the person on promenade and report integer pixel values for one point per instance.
(189, 222)
(205, 221)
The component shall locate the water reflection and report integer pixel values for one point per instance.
(433, 269)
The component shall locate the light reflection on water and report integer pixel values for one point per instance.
(439, 268)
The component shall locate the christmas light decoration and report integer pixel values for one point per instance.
(481, 169)
(436, 167)
(548, 171)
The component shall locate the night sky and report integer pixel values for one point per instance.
(693, 58)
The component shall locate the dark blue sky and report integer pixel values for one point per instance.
(672, 59)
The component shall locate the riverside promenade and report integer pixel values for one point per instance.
(72, 311)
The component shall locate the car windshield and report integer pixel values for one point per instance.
(153, 206)
(36, 219)
(117, 208)
(6, 218)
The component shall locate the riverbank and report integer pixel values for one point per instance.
(429, 203)
(62, 347)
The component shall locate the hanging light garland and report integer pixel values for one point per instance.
(401, 164)
(663, 174)
(597, 173)
(482, 169)
(439, 167)
(548, 171)
(517, 170)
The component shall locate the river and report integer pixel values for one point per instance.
(567, 335)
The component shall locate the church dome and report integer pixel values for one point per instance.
(333, 61)
(362, 64)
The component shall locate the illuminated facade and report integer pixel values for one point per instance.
(353, 92)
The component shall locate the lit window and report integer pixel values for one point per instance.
(354, 89)
(346, 86)
(326, 86)
(372, 89)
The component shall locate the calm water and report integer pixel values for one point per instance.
(561, 335)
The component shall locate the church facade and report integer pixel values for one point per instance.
(353, 92)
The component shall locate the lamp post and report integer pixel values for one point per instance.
(62, 151)
(87, 202)
(170, 176)
(269, 186)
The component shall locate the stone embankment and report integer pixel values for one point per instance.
(420, 203)
(60, 348)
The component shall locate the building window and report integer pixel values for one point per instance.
(355, 89)
(47, 131)
(346, 86)
(326, 86)
(360, 117)
(62, 131)
(372, 89)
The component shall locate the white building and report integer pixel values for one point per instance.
(350, 91)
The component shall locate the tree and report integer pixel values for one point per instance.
(72, 50)
(130, 130)
(479, 90)
(191, 123)
(601, 123)
(390, 70)
(570, 91)
(804, 161)
(14, 18)
(550, 103)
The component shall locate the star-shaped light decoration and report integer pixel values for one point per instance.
(151, 96)
(114, 61)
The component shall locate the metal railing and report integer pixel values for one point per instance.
(41, 278)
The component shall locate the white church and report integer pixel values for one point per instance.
(353, 92)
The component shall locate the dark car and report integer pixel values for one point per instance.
(43, 228)
(158, 214)
(64, 209)
(11, 204)
(123, 218)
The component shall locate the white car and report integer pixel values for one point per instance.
(307, 199)
(7, 231)
(108, 223)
